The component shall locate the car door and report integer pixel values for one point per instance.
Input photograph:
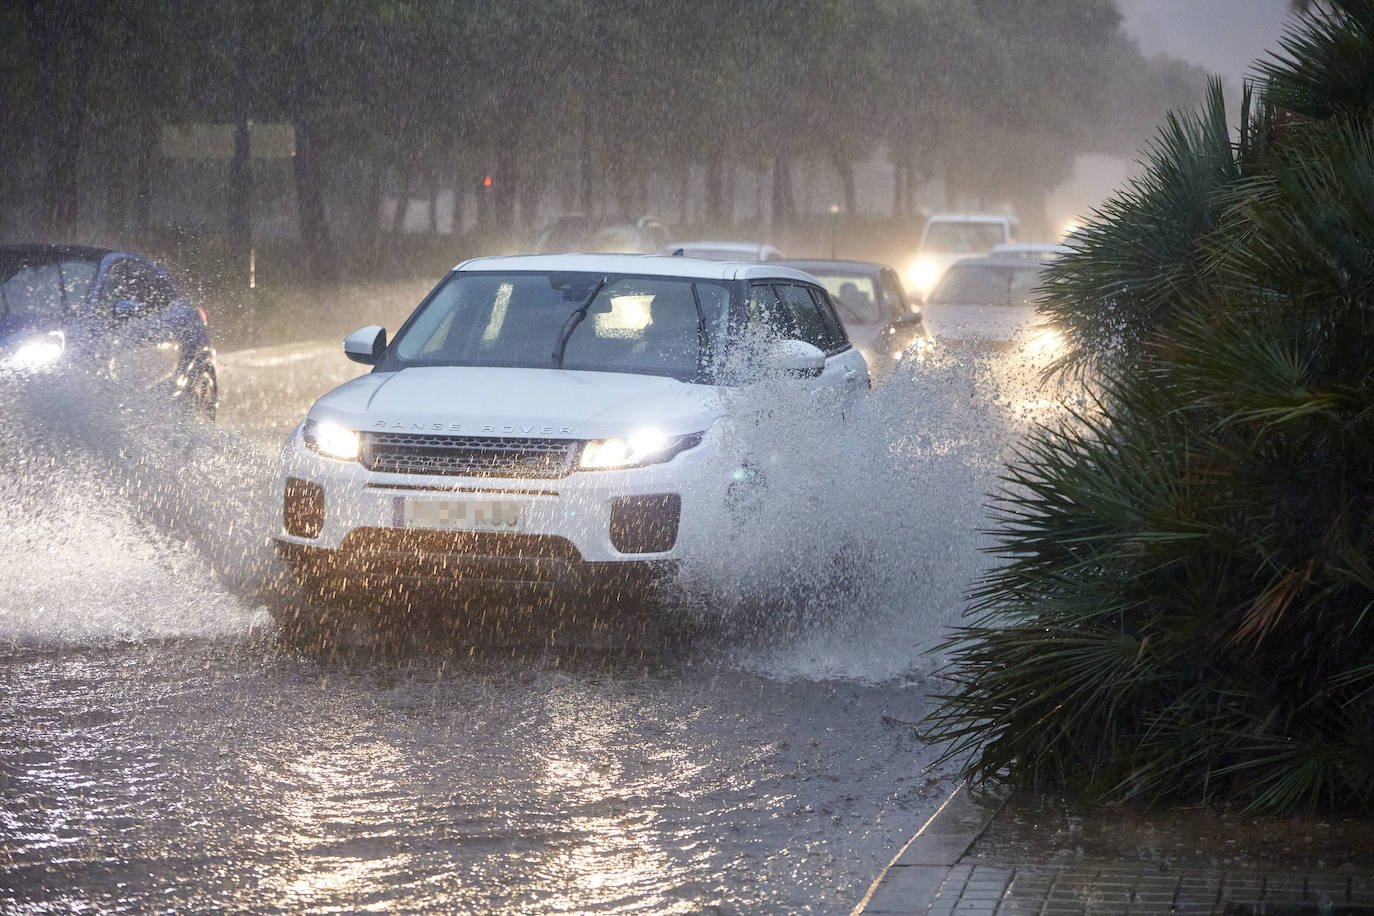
(811, 317)
(815, 320)
(143, 350)
(904, 326)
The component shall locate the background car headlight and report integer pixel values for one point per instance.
(333, 440)
(923, 275)
(36, 352)
(647, 446)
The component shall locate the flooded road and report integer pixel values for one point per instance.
(164, 748)
(211, 774)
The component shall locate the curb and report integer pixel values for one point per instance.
(936, 847)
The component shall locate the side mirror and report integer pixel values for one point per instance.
(126, 308)
(365, 345)
(793, 357)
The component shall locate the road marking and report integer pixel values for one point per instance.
(279, 354)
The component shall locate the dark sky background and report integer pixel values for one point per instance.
(1225, 36)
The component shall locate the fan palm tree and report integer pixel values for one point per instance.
(1185, 603)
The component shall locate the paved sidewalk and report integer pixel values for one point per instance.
(932, 874)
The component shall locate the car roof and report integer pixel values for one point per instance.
(971, 218)
(638, 264)
(748, 251)
(809, 264)
(45, 253)
(1008, 261)
(1029, 248)
(724, 246)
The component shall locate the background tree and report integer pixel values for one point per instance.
(597, 107)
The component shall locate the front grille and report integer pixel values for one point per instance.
(468, 456)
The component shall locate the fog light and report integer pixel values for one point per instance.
(303, 508)
(645, 524)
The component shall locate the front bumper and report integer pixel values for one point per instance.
(564, 529)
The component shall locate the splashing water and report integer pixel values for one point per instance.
(853, 554)
(124, 518)
(866, 530)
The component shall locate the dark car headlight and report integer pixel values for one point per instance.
(38, 351)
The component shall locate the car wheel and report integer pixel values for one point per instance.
(204, 392)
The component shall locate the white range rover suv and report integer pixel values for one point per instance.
(552, 418)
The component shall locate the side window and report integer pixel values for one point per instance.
(150, 289)
(117, 285)
(893, 295)
(32, 292)
(767, 315)
(139, 282)
(838, 338)
(806, 317)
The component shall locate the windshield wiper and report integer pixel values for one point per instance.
(573, 321)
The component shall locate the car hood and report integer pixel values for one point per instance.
(978, 322)
(483, 401)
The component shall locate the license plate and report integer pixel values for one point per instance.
(461, 514)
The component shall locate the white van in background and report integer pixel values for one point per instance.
(950, 237)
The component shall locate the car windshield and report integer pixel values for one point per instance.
(34, 286)
(951, 236)
(854, 295)
(570, 320)
(987, 284)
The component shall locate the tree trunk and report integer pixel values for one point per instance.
(845, 168)
(685, 194)
(145, 159)
(239, 203)
(433, 208)
(898, 188)
(715, 192)
(784, 204)
(318, 249)
(585, 156)
(460, 197)
(505, 191)
(370, 219)
(398, 216)
(65, 39)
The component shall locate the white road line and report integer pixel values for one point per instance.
(279, 354)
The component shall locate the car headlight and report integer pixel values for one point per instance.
(923, 275)
(333, 440)
(36, 352)
(648, 446)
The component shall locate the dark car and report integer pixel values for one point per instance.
(990, 304)
(881, 321)
(111, 311)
